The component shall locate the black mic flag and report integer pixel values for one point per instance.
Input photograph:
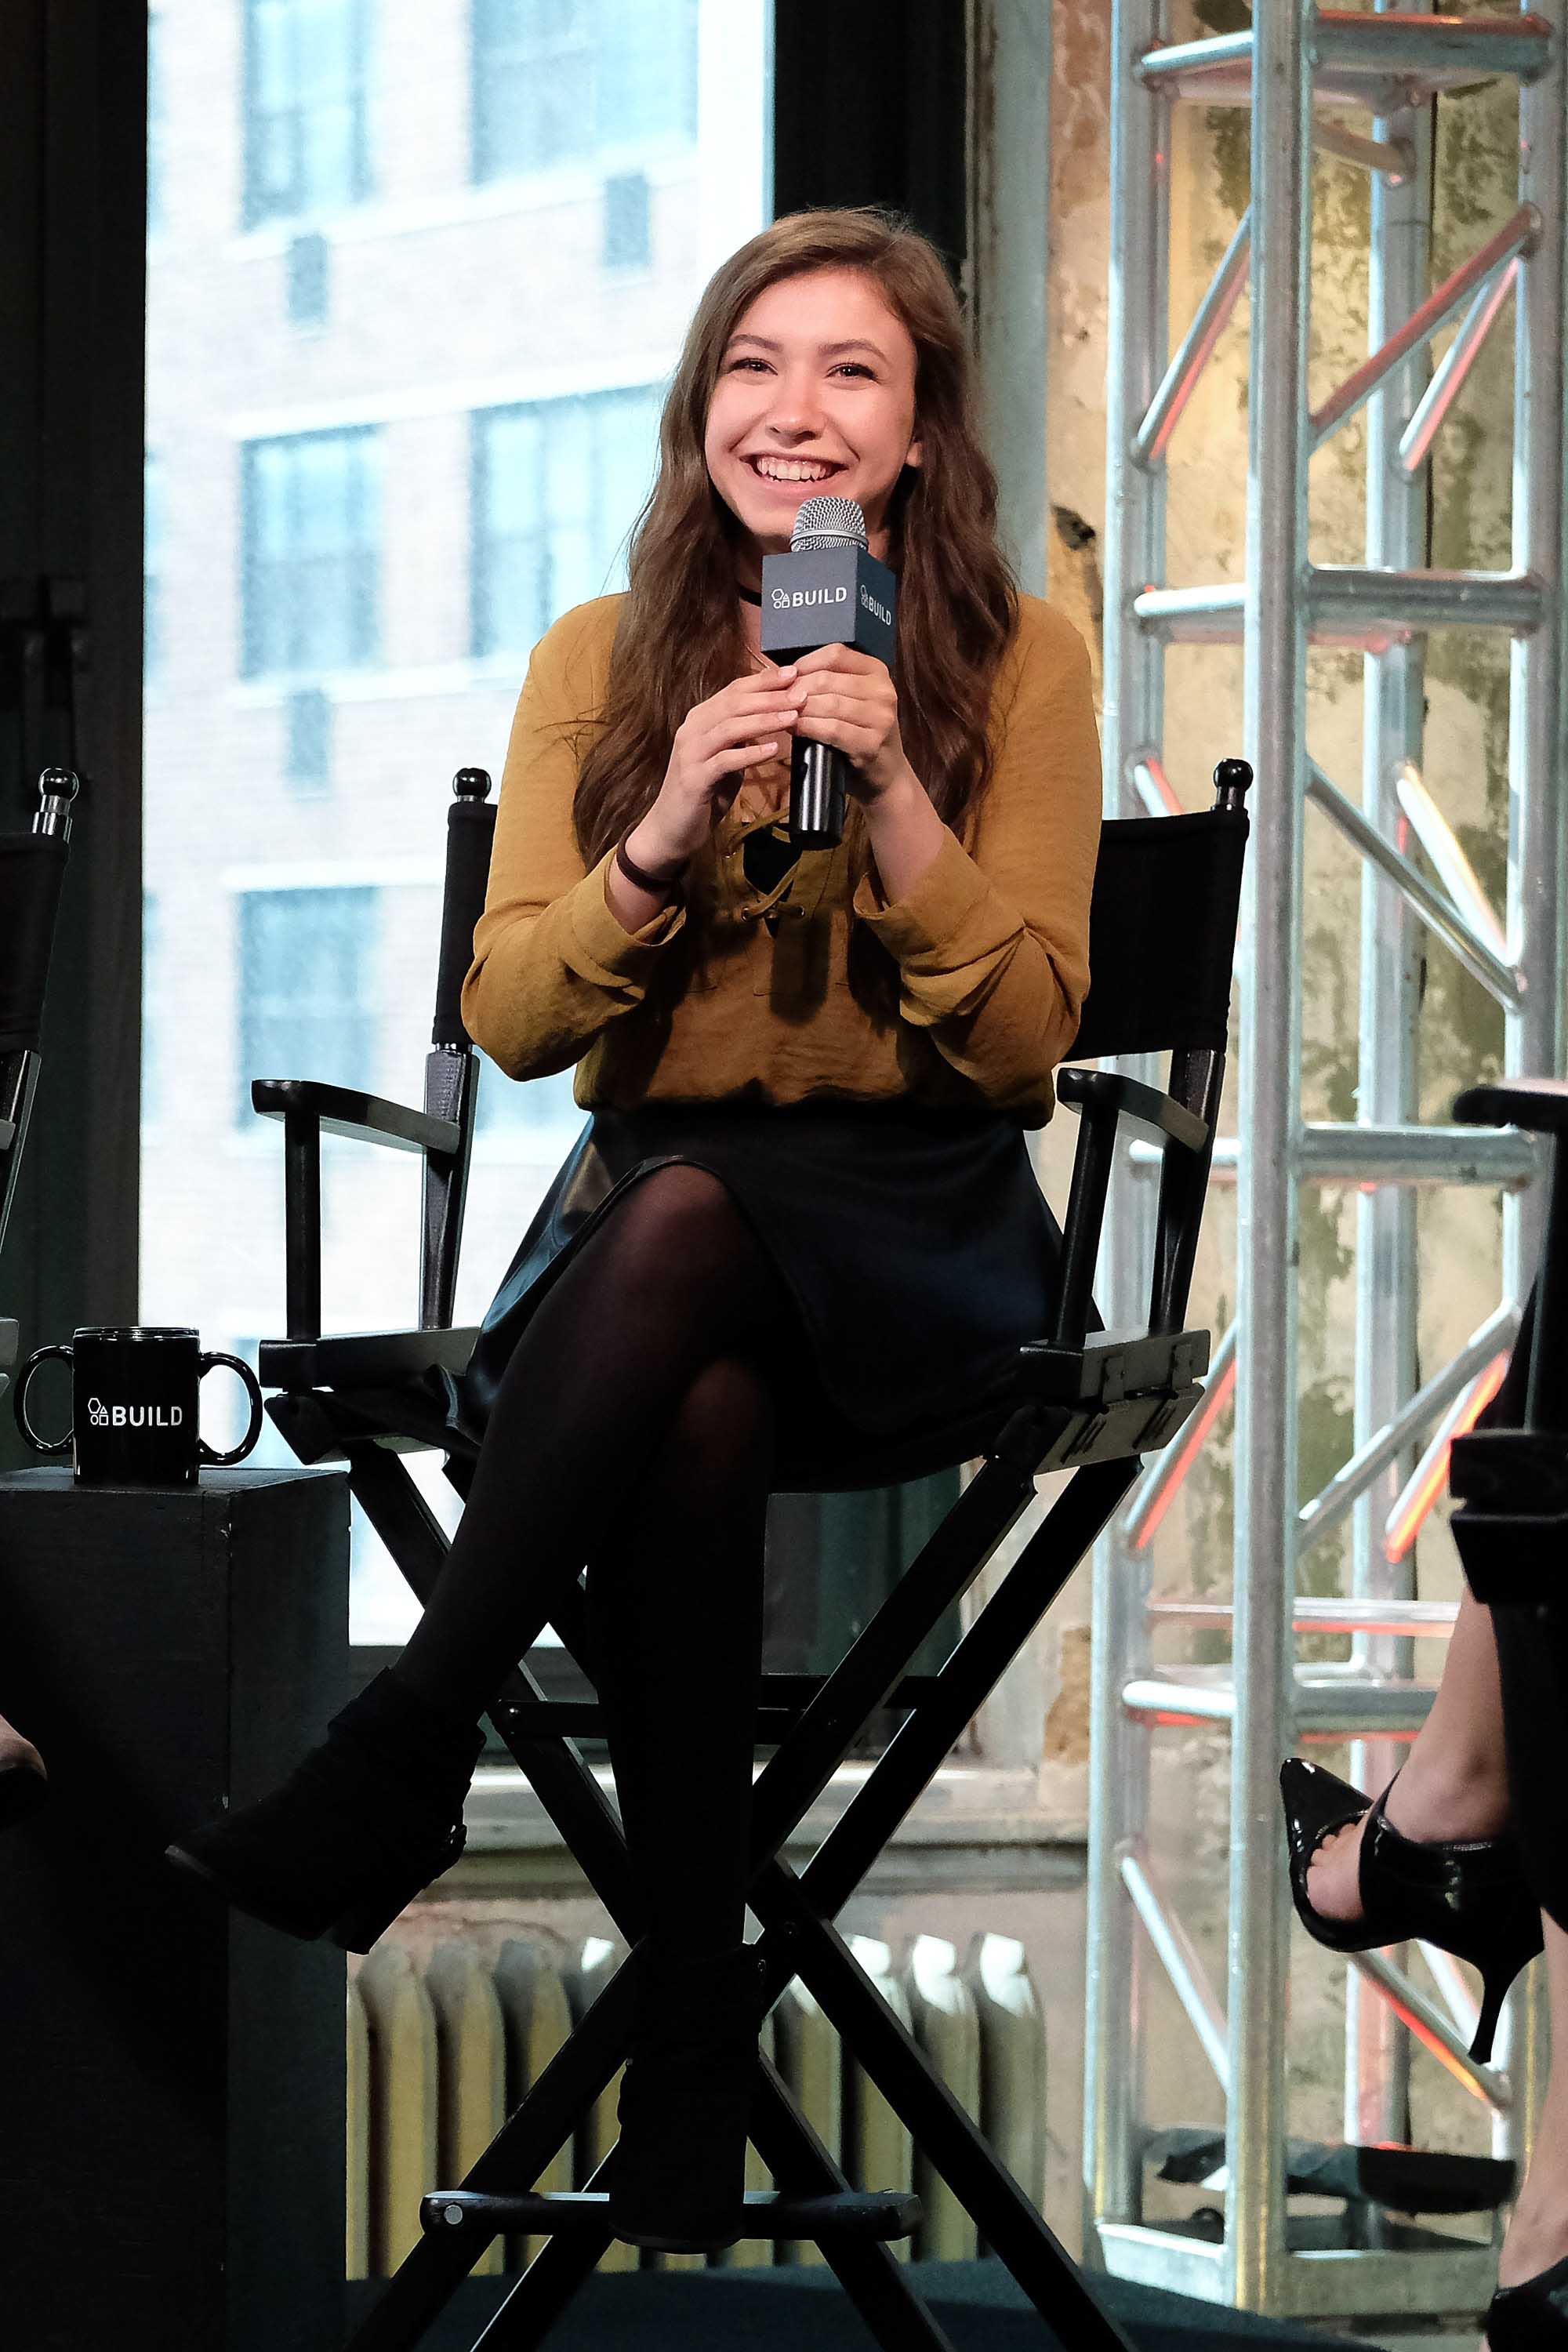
(827, 591)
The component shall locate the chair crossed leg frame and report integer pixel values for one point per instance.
(796, 1913)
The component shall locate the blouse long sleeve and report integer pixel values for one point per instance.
(992, 943)
(553, 966)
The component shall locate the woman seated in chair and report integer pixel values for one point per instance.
(801, 1241)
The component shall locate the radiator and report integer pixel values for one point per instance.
(437, 2057)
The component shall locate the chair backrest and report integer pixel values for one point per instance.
(1162, 933)
(1162, 946)
(451, 1076)
(32, 874)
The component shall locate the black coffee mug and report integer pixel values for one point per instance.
(135, 1406)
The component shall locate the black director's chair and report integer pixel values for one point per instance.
(1161, 937)
(32, 874)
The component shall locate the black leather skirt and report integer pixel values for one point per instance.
(915, 1243)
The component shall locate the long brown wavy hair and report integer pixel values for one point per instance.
(680, 636)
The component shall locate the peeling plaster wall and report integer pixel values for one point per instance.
(1466, 768)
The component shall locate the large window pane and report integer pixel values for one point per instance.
(306, 130)
(309, 559)
(560, 82)
(362, 512)
(557, 487)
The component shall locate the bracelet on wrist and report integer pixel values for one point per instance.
(639, 876)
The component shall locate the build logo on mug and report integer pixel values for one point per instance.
(135, 1409)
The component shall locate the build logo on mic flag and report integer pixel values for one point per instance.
(827, 597)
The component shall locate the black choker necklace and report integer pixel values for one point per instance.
(748, 595)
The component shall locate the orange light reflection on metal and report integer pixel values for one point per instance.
(1216, 1396)
(1409, 1515)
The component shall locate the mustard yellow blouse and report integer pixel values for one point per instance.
(967, 992)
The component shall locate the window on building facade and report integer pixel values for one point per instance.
(311, 552)
(306, 995)
(558, 485)
(307, 147)
(560, 82)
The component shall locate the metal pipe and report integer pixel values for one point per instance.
(1174, 59)
(1427, 2022)
(1377, 2057)
(1179, 1957)
(1328, 1708)
(1393, 158)
(1153, 786)
(1402, 42)
(1516, 236)
(1216, 614)
(1452, 369)
(1335, 1152)
(1209, 322)
(1375, 1453)
(1476, 953)
(1426, 599)
(1151, 1497)
(1132, 726)
(1441, 843)
(1431, 1619)
(1266, 1211)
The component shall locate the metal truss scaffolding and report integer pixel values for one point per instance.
(1362, 84)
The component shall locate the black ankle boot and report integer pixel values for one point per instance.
(678, 2177)
(365, 1821)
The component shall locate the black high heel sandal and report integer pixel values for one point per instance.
(1467, 1895)
(1531, 2317)
(356, 1831)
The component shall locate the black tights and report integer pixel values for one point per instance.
(634, 1432)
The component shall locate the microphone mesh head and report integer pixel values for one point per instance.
(827, 522)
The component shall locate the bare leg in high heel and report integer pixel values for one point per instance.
(1454, 1783)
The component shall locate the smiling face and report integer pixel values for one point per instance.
(815, 393)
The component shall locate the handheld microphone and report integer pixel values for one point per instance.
(827, 591)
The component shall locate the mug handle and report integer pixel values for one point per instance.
(39, 1445)
(239, 1452)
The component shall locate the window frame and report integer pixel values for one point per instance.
(256, 214)
(345, 1015)
(485, 644)
(252, 666)
(596, 151)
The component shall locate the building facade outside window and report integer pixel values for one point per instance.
(557, 485)
(310, 570)
(358, 528)
(305, 1003)
(306, 134)
(561, 81)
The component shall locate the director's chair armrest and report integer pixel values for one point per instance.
(305, 1106)
(1103, 1098)
(1108, 1095)
(366, 1119)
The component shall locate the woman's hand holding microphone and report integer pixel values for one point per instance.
(746, 722)
(833, 694)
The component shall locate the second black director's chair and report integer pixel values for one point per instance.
(32, 875)
(1161, 938)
